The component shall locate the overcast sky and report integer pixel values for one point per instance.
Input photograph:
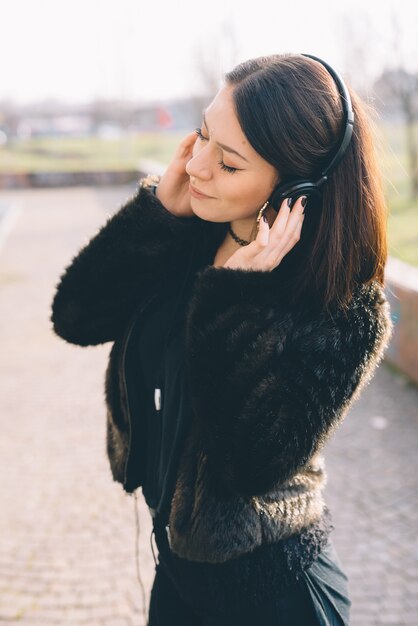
(87, 49)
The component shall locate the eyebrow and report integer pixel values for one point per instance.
(222, 145)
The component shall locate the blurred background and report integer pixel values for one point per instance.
(88, 86)
(93, 95)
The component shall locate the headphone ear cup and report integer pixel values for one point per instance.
(294, 190)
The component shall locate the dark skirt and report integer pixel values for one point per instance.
(190, 594)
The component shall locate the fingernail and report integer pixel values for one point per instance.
(289, 202)
(304, 200)
(265, 218)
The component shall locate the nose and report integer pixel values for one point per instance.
(198, 166)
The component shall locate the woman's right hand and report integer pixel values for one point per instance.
(173, 187)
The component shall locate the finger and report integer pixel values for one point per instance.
(295, 226)
(189, 139)
(186, 144)
(290, 241)
(280, 222)
(263, 233)
(299, 206)
(289, 218)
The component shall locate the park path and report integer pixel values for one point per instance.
(67, 531)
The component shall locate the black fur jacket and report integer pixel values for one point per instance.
(269, 383)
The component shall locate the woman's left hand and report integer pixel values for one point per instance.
(271, 244)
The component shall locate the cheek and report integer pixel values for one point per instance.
(244, 192)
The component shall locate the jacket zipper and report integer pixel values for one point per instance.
(157, 450)
(123, 378)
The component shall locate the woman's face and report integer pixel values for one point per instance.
(239, 191)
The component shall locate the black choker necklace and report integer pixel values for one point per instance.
(242, 242)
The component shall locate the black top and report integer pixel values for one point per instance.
(157, 385)
(161, 349)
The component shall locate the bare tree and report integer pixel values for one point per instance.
(398, 89)
(355, 33)
(213, 56)
(395, 90)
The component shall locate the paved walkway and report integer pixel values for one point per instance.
(67, 531)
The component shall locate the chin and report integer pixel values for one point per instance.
(208, 214)
(205, 214)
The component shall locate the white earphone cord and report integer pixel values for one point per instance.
(138, 573)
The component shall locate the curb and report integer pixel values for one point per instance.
(402, 293)
(23, 180)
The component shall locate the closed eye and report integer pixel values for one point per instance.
(226, 168)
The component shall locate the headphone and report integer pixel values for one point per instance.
(312, 189)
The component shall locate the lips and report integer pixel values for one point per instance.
(197, 193)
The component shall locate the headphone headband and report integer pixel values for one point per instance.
(295, 188)
(348, 119)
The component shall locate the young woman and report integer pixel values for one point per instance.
(244, 294)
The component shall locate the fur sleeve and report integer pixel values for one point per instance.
(266, 389)
(99, 289)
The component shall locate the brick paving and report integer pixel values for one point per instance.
(67, 531)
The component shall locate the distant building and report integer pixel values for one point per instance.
(108, 119)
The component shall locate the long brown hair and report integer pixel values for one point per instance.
(290, 110)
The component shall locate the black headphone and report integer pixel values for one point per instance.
(312, 189)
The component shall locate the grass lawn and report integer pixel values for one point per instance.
(403, 211)
(83, 154)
